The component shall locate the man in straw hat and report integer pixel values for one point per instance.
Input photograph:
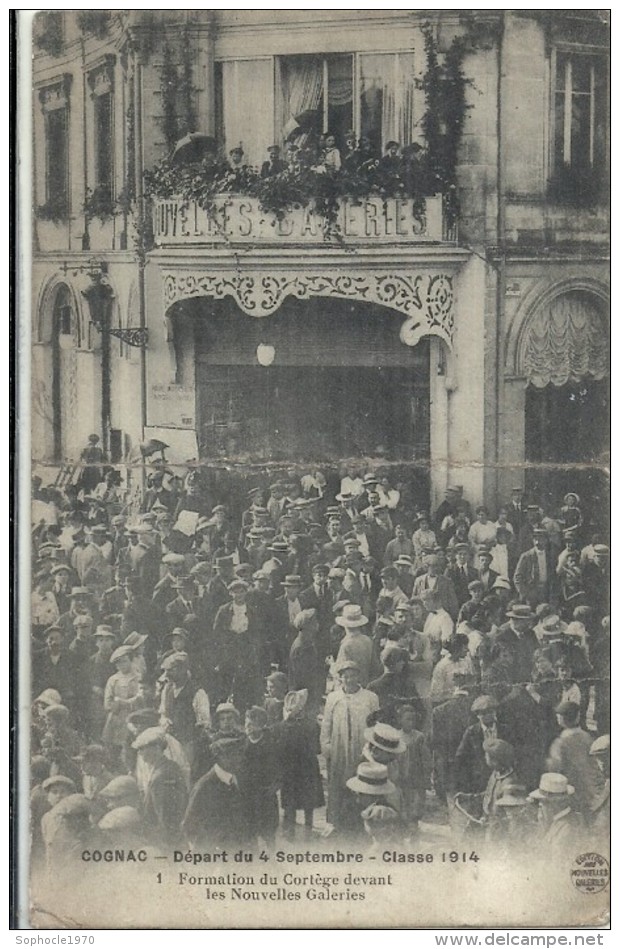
(369, 785)
(342, 734)
(356, 645)
(561, 826)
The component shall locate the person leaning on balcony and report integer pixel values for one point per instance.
(235, 158)
(274, 165)
(391, 161)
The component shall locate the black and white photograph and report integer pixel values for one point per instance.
(318, 619)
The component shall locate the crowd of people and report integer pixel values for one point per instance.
(211, 677)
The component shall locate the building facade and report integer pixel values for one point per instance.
(462, 341)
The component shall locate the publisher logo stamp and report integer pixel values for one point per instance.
(590, 873)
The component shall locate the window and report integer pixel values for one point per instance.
(101, 170)
(55, 104)
(580, 126)
(56, 177)
(103, 143)
(387, 87)
(316, 95)
(373, 94)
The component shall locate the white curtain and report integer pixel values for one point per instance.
(388, 93)
(301, 89)
(567, 341)
(247, 91)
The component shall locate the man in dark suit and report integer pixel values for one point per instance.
(165, 796)
(448, 724)
(275, 165)
(238, 639)
(517, 636)
(184, 603)
(471, 769)
(446, 508)
(596, 580)
(461, 572)
(535, 574)
(214, 818)
(439, 584)
(515, 510)
(318, 597)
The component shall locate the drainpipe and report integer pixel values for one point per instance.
(501, 262)
(140, 202)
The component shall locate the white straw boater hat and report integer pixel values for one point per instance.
(552, 785)
(386, 738)
(371, 779)
(352, 617)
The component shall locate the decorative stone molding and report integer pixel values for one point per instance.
(55, 95)
(425, 299)
(101, 76)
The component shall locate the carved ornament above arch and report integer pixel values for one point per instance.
(425, 299)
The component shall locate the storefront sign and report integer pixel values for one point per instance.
(241, 221)
(172, 405)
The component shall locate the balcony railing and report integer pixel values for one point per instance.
(236, 219)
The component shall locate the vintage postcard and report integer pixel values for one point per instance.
(319, 628)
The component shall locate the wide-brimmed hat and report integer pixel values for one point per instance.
(386, 738)
(345, 496)
(174, 659)
(352, 617)
(60, 567)
(571, 494)
(150, 736)
(227, 707)
(521, 611)
(58, 780)
(124, 785)
(49, 697)
(346, 664)
(80, 591)
(372, 779)
(552, 625)
(404, 561)
(172, 558)
(484, 703)
(295, 702)
(120, 652)
(552, 785)
(120, 818)
(238, 585)
(104, 632)
(292, 580)
(135, 640)
(279, 547)
(601, 745)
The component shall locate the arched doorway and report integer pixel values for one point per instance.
(565, 360)
(65, 342)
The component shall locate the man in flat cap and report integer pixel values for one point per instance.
(165, 797)
(184, 709)
(570, 755)
(215, 816)
(165, 590)
(471, 768)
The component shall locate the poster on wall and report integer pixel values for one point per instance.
(314, 628)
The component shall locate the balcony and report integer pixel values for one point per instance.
(239, 220)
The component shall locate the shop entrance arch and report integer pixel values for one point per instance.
(317, 383)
